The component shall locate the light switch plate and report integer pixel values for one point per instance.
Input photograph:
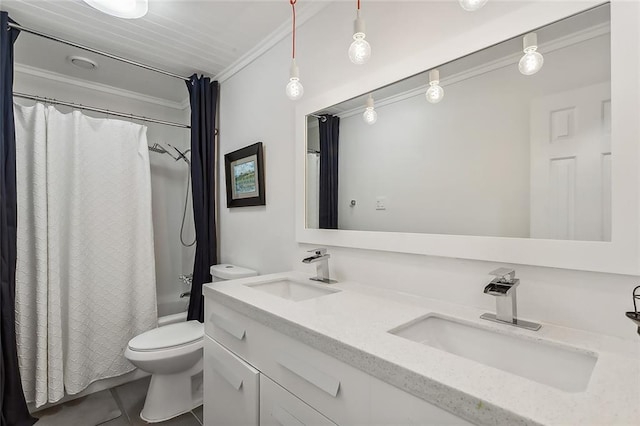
(381, 203)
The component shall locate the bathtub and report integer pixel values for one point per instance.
(172, 318)
(172, 306)
(172, 312)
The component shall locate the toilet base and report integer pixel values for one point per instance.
(171, 395)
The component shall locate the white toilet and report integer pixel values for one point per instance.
(173, 355)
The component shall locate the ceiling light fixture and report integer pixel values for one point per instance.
(370, 115)
(82, 62)
(472, 5)
(127, 9)
(435, 93)
(294, 87)
(360, 49)
(532, 60)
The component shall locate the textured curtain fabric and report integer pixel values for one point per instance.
(14, 410)
(329, 133)
(85, 276)
(203, 94)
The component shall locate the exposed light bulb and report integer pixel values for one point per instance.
(435, 93)
(472, 5)
(294, 88)
(532, 60)
(360, 49)
(370, 116)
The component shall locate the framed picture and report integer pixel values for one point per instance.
(244, 172)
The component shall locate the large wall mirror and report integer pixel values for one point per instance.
(504, 155)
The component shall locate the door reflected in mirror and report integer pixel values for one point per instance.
(501, 154)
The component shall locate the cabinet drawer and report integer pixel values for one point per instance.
(232, 330)
(231, 388)
(392, 406)
(280, 408)
(337, 390)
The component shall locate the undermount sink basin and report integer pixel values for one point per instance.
(560, 366)
(294, 290)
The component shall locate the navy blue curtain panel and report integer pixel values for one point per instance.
(14, 408)
(203, 94)
(329, 133)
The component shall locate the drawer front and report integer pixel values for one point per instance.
(280, 408)
(231, 388)
(337, 390)
(232, 330)
(392, 406)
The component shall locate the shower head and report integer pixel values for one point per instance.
(181, 154)
(158, 148)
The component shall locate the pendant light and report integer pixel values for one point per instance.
(370, 115)
(294, 88)
(532, 60)
(472, 5)
(435, 93)
(360, 49)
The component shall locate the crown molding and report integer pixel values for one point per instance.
(271, 40)
(50, 75)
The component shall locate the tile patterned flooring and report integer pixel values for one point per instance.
(130, 399)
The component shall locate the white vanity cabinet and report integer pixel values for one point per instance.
(392, 406)
(298, 385)
(232, 387)
(281, 408)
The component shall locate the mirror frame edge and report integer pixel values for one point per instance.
(620, 256)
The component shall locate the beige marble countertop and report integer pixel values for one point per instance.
(352, 325)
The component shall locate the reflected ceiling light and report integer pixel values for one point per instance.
(532, 60)
(360, 49)
(128, 9)
(294, 87)
(472, 5)
(435, 93)
(370, 115)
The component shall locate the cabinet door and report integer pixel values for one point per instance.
(281, 408)
(392, 406)
(231, 388)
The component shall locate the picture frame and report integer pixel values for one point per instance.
(244, 172)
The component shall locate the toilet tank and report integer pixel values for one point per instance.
(224, 271)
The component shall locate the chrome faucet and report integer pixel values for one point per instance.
(321, 258)
(503, 286)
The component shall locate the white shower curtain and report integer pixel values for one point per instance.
(85, 279)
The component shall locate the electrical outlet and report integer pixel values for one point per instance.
(381, 203)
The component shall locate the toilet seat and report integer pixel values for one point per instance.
(168, 337)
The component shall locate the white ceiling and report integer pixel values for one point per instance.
(180, 36)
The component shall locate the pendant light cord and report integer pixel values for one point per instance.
(358, 4)
(293, 31)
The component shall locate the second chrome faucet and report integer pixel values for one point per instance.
(503, 287)
(321, 259)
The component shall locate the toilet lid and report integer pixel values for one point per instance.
(168, 336)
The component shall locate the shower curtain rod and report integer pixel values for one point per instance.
(321, 117)
(100, 110)
(96, 51)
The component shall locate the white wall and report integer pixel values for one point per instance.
(168, 178)
(461, 166)
(254, 107)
